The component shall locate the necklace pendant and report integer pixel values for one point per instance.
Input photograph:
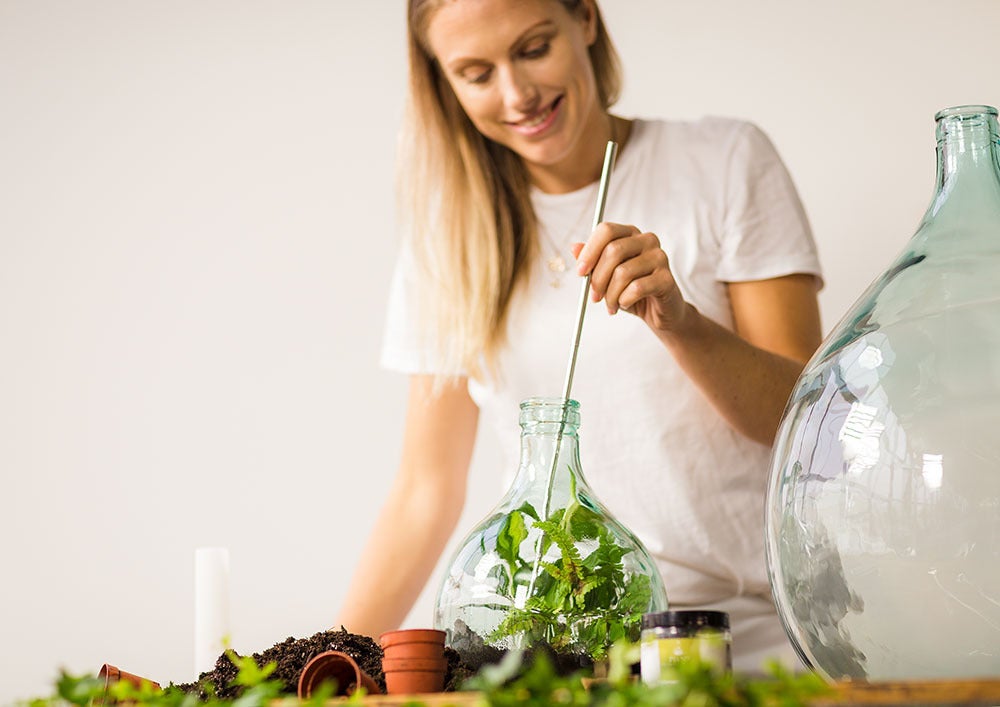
(557, 266)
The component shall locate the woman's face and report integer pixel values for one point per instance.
(521, 71)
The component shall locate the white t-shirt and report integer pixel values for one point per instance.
(661, 459)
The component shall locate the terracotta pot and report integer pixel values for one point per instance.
(408, 676)
(112, 674)
(413, 643)
(334, 665)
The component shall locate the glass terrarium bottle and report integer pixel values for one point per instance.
(883, 511)
(549, 564)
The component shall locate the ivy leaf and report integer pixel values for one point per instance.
(528, 510)
(583, 523)
(512, 533)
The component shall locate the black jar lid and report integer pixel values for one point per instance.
(686, 619)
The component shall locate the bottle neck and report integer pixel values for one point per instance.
(549, 447)
(968, 161)
(545, 451)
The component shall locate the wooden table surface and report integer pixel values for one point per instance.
(926, 692)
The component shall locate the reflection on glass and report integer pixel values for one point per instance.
(883, 528)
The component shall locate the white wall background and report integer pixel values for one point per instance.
(196, 235)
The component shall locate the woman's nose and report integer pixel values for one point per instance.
(520, 93)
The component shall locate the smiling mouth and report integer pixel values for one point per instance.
(539, 117)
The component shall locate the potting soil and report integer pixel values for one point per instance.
(291, 656)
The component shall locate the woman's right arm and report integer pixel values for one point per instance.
(423, 507)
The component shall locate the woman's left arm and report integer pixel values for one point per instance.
(747, 374)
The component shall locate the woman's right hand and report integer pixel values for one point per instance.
(422, 509)
(631, 272)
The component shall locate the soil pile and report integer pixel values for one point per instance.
(291, 655)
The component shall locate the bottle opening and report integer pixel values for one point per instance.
(547, 410)
(961, 112)
(967, 126)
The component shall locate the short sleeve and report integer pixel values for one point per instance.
(765, 230)
(407, 343)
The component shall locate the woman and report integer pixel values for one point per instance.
(506, 130)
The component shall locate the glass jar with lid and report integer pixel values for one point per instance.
(670, 636)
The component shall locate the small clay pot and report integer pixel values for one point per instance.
(411, 676)
(112, 674)
(334, 665)
(413, 643)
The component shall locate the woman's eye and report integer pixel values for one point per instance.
(536, 51)
(477, 76)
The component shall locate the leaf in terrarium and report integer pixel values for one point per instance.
(557, 516)
(512, 533)
(555, 570)
(571, 587)
(607, 553)
(555, 533)
(543, 582)
(537, 606)
(587, 586)
(583, 523)
(600, 598)
(532, 621)
(621, 629)
(560, 591)
(502, 577)
(528, 510)
(635, 598)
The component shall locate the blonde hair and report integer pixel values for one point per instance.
(466, 206)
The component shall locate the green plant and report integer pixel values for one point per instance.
(517, 681)
(576, 603)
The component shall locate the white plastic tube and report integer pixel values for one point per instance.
(211, 606)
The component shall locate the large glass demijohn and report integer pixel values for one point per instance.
(549, 564)
(883, 509)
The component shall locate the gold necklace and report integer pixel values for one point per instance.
(555, 262)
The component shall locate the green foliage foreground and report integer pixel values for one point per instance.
(514, 681)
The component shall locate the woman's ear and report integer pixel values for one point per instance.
(588, 16)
